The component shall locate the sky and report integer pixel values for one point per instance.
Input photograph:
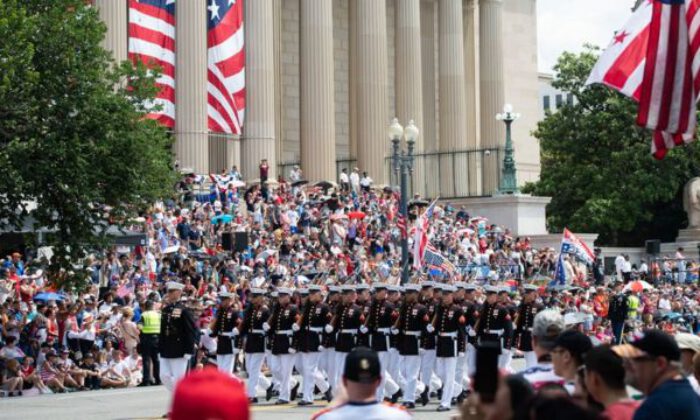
(565, 25)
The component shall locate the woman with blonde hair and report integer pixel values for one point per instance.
(128, 330)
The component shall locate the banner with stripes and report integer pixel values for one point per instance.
(226, 66)
(151, 39)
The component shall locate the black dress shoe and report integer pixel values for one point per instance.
(293, 394)
(142, 384)
(253, 400)
(328, 395)
(424, 397)
(281, 402)
(268, 393)
(304, 402)
(439, 393)
(409, 405)
(453, 401)
(441, 408)
(461, 397)
(394, 398)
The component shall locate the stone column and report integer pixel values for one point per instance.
(259, 127)
(354, 53)
(317, 90)
(192, 141)
(453, 128)
(409, 78)
(372, 88)
(114, 13)
(491, 86)
(471, 76)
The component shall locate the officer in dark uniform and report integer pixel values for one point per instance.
(280, 329)
(149, 324)
(524, 318)
(178, 336)
(224, 327)
(448, 325)
(364, 301)
(255, 316)
(617, 311)
(504, 302)
(494, 323)
(411, 324)
(378, 323)
(395, 298)
(328, 339)
(314, 318)
(348, 319)
(430, 294)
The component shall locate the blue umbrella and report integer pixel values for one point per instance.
(46, 296)
(224, 218)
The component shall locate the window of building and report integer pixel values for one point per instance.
(570, 99)
(545, 102)
(558, 99)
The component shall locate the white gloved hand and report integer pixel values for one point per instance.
(188, 357)
(430, 328)
(234, 332)
(460, 354)
(329, 328)
(472, 333)
(266, 327)
(295, 327)
(363, 329)
(321, 348)
(394, 331)
(292, 350)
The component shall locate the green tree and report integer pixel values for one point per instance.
(597, 166)
(73, 137)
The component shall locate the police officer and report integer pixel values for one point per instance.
(314, 317)
(524, 319)
(149, 324)
(378, 323)
(412, 322)
(280, 329)
(346, 323)
(178, 337)
(224, 327)
(617, 310)
(494, 323)
(255, 316)
(448, 324)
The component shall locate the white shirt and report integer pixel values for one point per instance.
(344, 178)
(694, 383)
(364, 411)
(355, 178)
(619, 262)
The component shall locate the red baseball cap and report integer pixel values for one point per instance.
(210, 394)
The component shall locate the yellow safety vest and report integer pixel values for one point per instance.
(151, 322)
(632, 306)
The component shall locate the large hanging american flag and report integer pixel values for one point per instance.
(226, 68)
(152, 42)
(655, 59)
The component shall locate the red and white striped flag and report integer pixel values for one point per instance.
(226, 68)
(152, 42)
(655, 59)
(420, 235)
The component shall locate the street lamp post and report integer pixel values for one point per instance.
(509, 182)
(402, 163)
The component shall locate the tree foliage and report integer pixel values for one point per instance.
(597, 166)
(73, 137)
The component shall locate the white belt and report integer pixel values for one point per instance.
(497, 332)
(257, 331)
(284, 332)
(316, 329)
(448, 334)
(353, 331)
(414, 333)
(383, 330)
(528, 329)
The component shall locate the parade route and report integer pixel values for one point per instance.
(146, 403)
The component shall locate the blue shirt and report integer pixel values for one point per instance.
(672, 400)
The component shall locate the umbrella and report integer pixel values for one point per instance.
(222, 218)
(299, 183)
(466, 230)
(324, 185)
(637, 286)
(237, 184)
(357, 215)
(419, 203)
(46, 296)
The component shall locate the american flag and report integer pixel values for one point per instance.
(152, 42)
(433, 258)
(226, 66)
(420, 235)
(401, 224)
(655, 59)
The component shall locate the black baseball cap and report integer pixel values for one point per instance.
(362, 365)
(653, 343)
(575, 342)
